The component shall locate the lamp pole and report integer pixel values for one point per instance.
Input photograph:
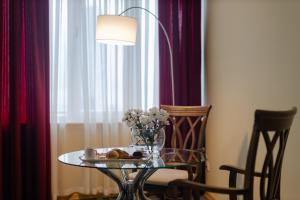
(168, 41)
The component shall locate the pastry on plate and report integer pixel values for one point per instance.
(137, 154)
(117, 154)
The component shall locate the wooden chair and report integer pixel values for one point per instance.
(273, 127)
(188, 132)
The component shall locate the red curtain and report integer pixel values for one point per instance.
(182, 20)
(24, 100)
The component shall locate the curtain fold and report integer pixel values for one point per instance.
(182, 20)
(93, 84)
(24, 100)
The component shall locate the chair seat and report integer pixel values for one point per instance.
(164, 176)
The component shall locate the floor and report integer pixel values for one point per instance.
(77, 196)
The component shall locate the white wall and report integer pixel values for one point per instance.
(253, 61)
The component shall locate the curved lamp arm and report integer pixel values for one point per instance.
(168, 41)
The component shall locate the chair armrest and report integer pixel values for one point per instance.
(232, 168)
(239, 170)
(206, 188)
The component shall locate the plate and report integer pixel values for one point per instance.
(104, 159)
(92, 160)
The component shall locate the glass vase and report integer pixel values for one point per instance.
(136, 141)
(159, 143)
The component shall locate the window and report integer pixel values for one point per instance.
(98, 82)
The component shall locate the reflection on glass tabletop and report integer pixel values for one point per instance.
(169, 158)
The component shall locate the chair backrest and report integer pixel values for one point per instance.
(189, 124)
(273, 127)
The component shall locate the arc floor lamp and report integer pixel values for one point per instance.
(121, 30)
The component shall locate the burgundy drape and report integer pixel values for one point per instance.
(24, 100)
(182, 20)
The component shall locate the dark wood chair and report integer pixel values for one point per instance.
(187, 132)
(274, 128)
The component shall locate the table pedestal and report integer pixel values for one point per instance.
(130, 189)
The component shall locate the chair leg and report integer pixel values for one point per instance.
(172, 193)
(187, 194)
(197, 195)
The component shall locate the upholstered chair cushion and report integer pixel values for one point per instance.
(164, 176)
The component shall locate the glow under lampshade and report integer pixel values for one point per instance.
(118, 30)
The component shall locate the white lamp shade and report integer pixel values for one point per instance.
(119, 30)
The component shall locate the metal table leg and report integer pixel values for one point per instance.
(130, 189)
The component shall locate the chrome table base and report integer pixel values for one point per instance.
(130, 189)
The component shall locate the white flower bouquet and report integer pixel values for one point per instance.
(146, 124)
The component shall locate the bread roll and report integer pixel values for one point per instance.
(122, 154)
(112, 154)
(117, 154)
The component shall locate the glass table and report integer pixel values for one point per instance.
(132, 189)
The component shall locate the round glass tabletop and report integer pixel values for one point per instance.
(169, 158)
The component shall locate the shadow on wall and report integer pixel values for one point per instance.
(243, 157)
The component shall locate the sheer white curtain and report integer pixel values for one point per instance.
(93, 84)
